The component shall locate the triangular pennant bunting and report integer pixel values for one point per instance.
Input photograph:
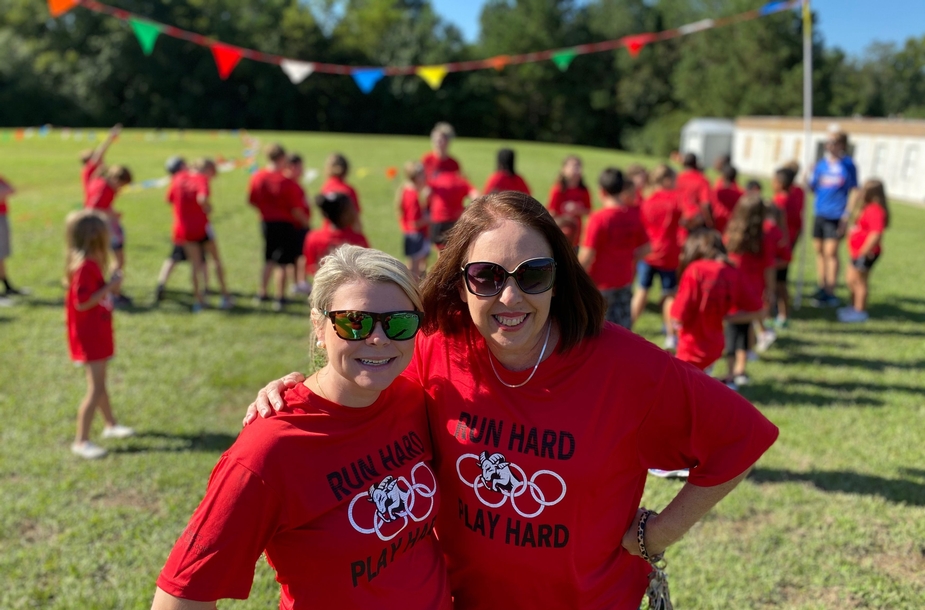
(499, 62)
(146, 33)
(697, 26)
(773, 7)
(226, 58)
(59, 7)
(367, 78)
(635, 44)
(563, 59)
(432, 75)
(297, 71)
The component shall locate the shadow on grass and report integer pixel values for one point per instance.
(153, 441)
(900, 491)
(861, 329)
(244, 304)
(832, 360)
(820, 394)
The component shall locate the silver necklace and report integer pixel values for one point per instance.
(535, 366)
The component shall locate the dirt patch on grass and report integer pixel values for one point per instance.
(818, 597)
(907, 567)
(32, 531)
(130, 498)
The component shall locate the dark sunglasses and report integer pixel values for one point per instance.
(352, 325)
(533, 276)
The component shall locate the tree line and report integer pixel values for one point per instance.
(86, 69)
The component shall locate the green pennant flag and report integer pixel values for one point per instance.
(147, 34)
(562, 59)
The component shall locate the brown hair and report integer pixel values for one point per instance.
(87, 236)
(411, 169)
(745, 233)
(702, 244)
(563, 183)
(336, 165)
(660, 174)
(872, 191)
(275, 152)
(201, 166)
(120, 174)
(577, 305)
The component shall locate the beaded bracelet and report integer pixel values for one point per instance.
(641, 537)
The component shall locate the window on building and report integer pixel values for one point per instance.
(910, 162)
(747, 153)
(880, 154)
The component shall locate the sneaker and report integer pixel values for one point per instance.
(741, 379)
(781, 323)
(159, 293)
(731, 385)
(279, 305)
(671, 343)
(765, 340)
(752, 356)
(121, 302)
(227, 303)
(681, 473)
(5, 302)
(88, 450)
(21, 292)
(853, 316)
(260, 300)
(197, 307)
(832, 301)
(302, 288)
(118, 431)
(843, 310)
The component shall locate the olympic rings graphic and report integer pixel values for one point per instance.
(519, 486)
(414, 488)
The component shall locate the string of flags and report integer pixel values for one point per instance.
(228, 56)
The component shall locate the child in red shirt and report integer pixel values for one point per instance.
(412, 218)
(711, 287)
(5, 246)
(338, 210)
(569, 196)
(725, 197)
(864, 246)
(448, 193)
(100, 195)
(505, 178)
(438, 160)
(694, 189)
(92, 160)
(614, 241)
(752, 250)
(788, 198)
(336, 169)
(88, 310)
(661, 214)
(640, 177)
(293, 172)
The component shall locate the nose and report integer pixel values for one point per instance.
(510, 293)
(378, 336)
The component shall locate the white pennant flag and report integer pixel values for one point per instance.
(297, 71)
(697, 26)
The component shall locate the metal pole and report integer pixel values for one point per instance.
(807, 137)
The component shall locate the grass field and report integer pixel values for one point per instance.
(832, 517)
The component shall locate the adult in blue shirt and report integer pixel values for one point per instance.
(834, 180)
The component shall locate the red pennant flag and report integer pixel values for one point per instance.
(635, 44)
(499, 62)
(226, 58)
(59, 7)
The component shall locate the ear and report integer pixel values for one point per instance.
(318, 322)
(483, 456)
(372, 489)
(463, 291)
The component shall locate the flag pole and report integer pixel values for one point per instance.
(807, 134)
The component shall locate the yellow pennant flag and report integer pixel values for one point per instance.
(432, 75)
(59, 7)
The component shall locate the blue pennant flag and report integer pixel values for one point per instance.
(773, 7)
(366, 79)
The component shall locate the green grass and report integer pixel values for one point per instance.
(832, 517)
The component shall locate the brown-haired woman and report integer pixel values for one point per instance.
(546, 419)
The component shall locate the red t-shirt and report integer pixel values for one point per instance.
(266, 193)
(99, 195)
(323, 241)
(871, 220)
(752, 266)
(87, 173)
(724, 200)
(335, 184)
(4, 209)
(694, 190)
(781, 245)
(503, 181)
(558, 198)
(89, 333)
(411, 213)
(448, 191)
(189, 219)
(342, 500)
(540, 483)
(292, 196)
(708, 292)
(661, 213)
(434, 165)
(614, 233)
(791, 204)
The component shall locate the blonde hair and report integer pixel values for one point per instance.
(445, 129)
(203, 165)
(355, 264)
(87, 235)
(336, 165)
(660, 174)
(411, 169)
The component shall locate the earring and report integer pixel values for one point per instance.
(320, 343)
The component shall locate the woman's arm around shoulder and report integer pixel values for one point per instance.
(166, 601)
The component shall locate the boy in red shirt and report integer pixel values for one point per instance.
(615, 240)
(293, 172)
(661, 214)
(864, 241)
(5, 247)
(92, 160)
(694, 189)
(569, 196)
(448, 193)
(413, 219)
(725, 197)
(505, 178)
(100, 195)
(439, 160)
(789, 201)
(340, 214)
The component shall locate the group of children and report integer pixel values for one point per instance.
(720, 252)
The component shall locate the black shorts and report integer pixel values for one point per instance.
(416, 246)
(178, 254)
(301, 234)
(280, 239)
(825, 228)
(782, 274)
(864, 263)
(736, 338)
(438, 231)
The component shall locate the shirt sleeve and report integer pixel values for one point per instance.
(555, 200)
(215, 556)
(592, 234)
(697, 422)
(681, 309)
(852, 180)
(87, 280)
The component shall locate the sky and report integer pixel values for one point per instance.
(851, 25)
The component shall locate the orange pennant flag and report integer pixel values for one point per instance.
(499, 62)
(226, 58)
(59, 7)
